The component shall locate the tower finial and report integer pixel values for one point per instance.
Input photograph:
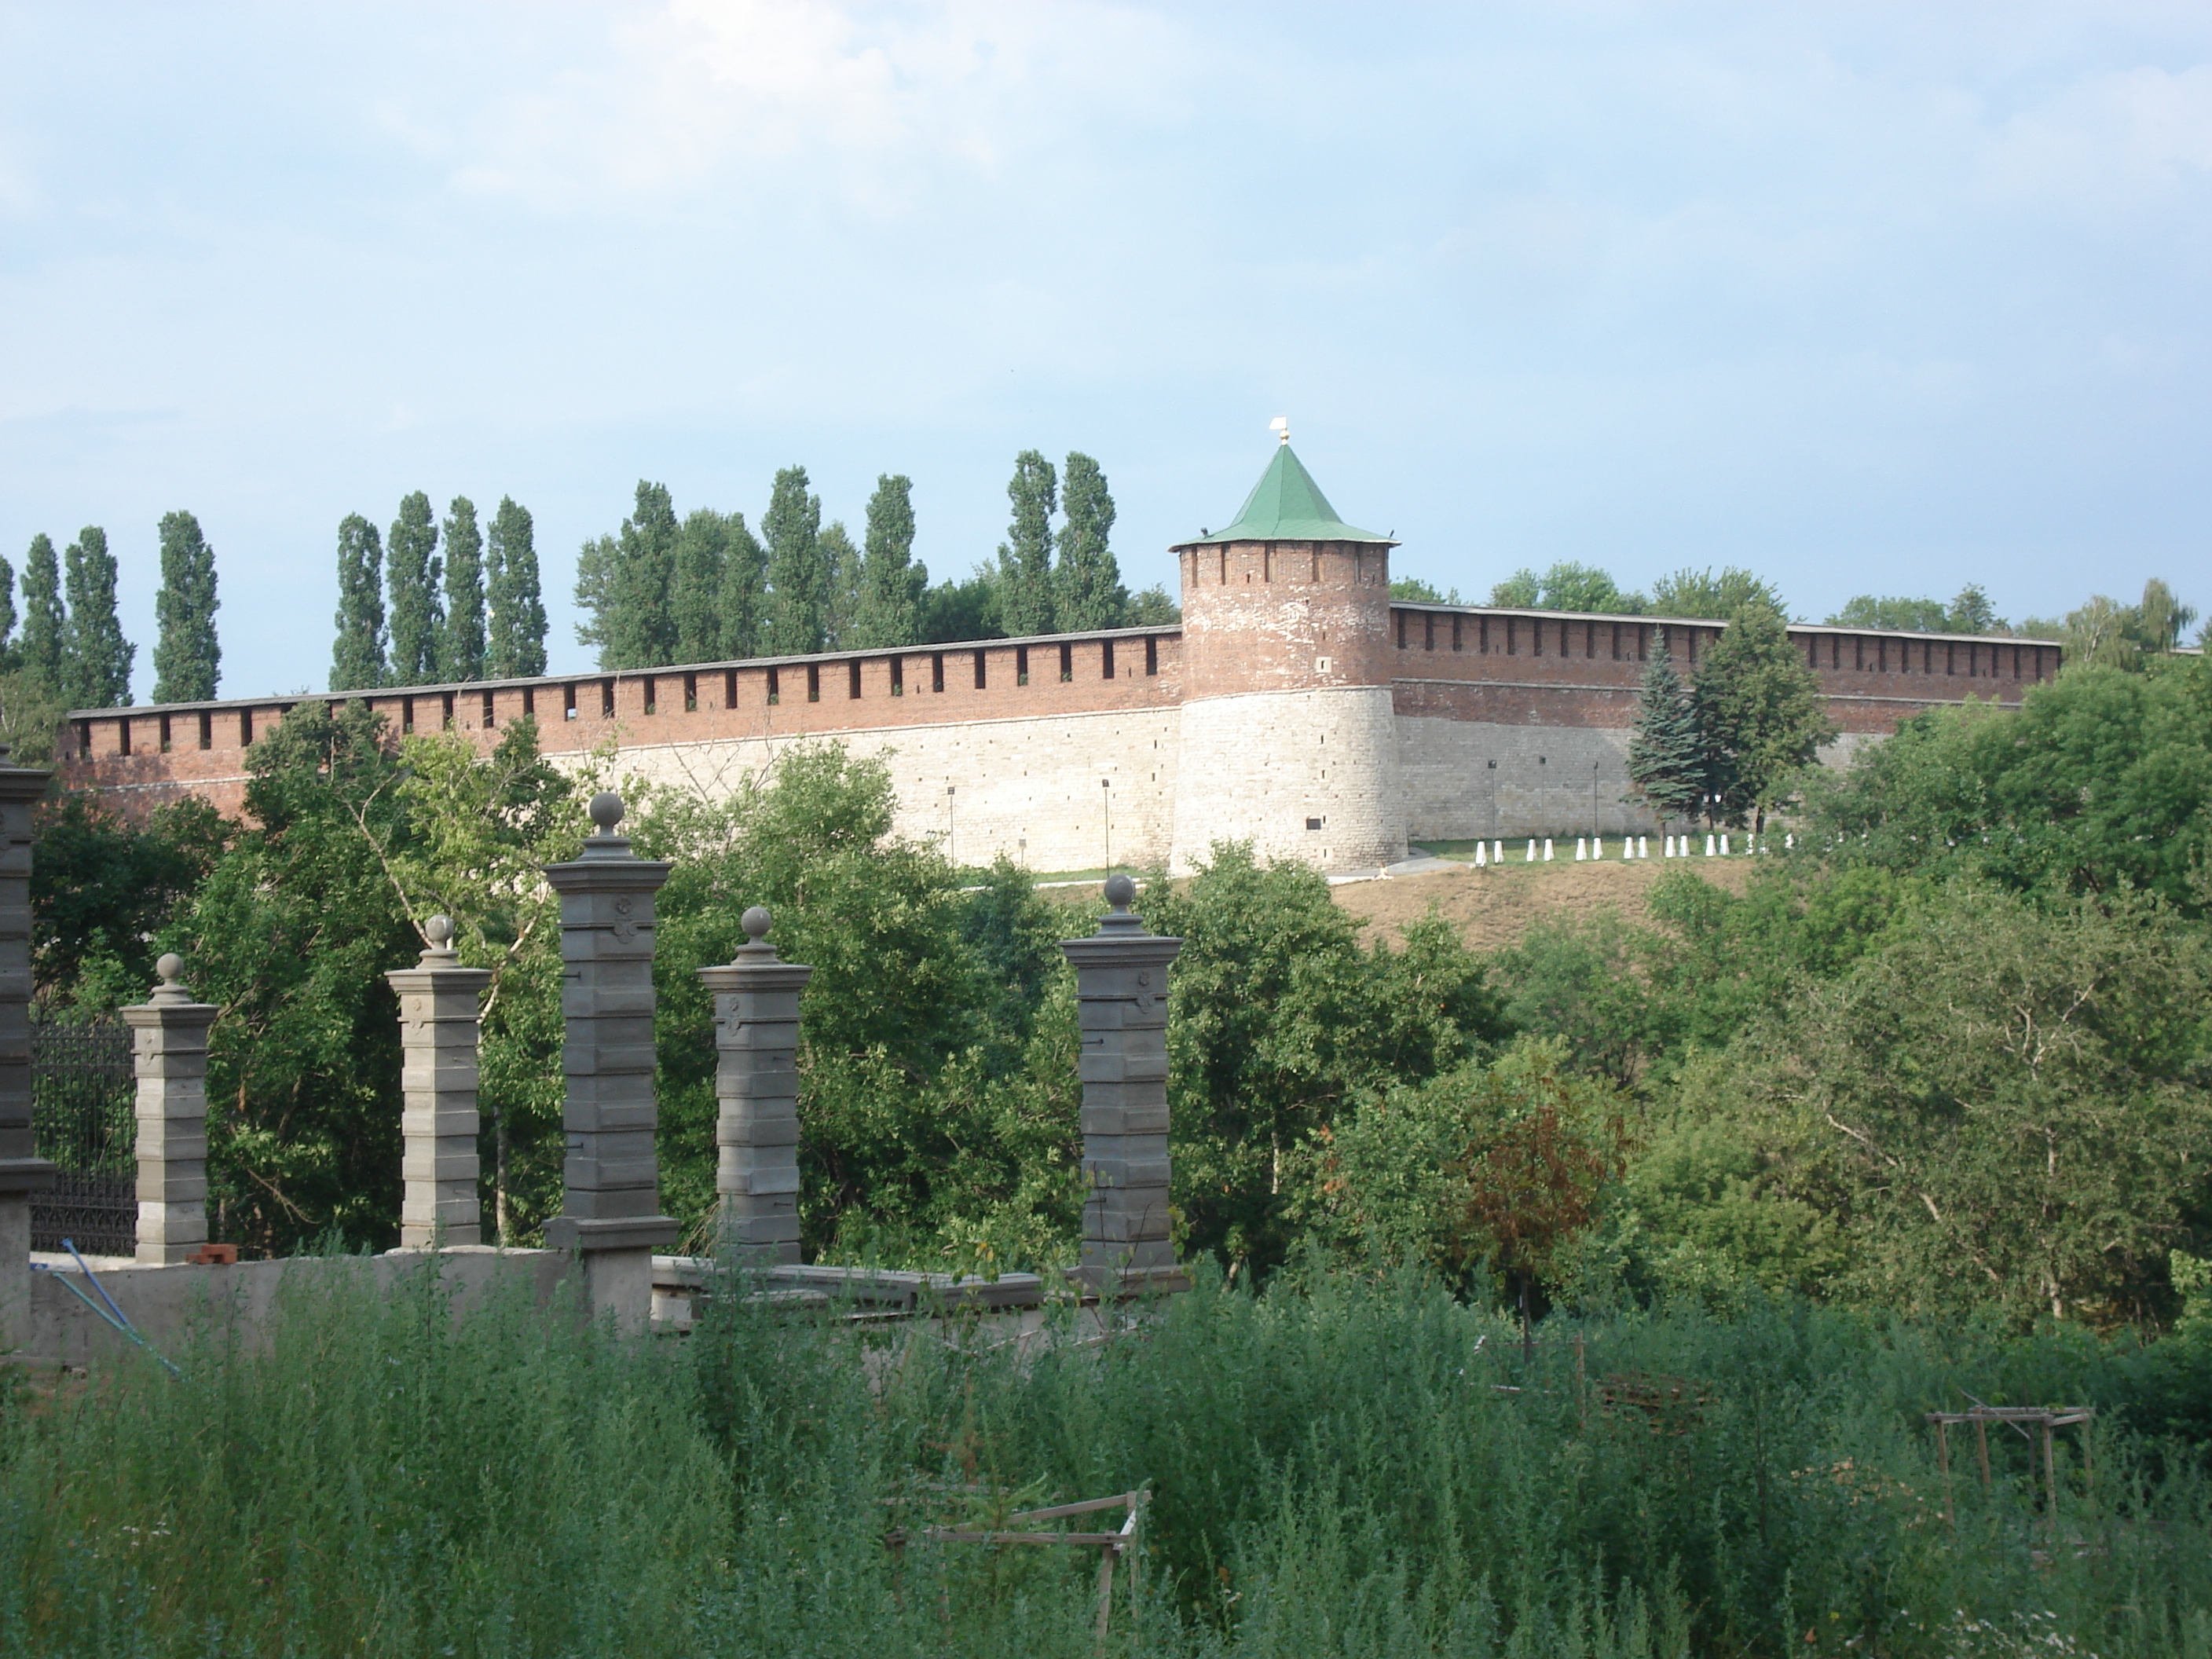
(1280, 426)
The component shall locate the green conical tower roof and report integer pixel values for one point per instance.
(1287, 505)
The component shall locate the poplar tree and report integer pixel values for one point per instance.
(1666, 748)
(1025, 556)
(1762, 712)
(187, 661)
(515, 646)
(95, 657)
(798, 595)
(461, 637)
(411, 570)
(841, 584)
(357, 653)
(11, 648)
(44, 622)
(887, 610)
(1087, 591)
(624, 581)
(702, 547)
(744, 581)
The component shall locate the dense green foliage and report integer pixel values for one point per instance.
(357, 654)
(45, 619)
(412, 572)
(1347, 1467)
(1666, 749)
(461, 631)
(1971, 612)
(1762, 714)
(1703, 594)
(1025, 586)
(187, 660)
(798, 605)
(1086, 581)
(515, 628)
(96, 666)
(1567, 586)
(889, 607)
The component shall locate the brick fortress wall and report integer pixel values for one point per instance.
(1499, 722)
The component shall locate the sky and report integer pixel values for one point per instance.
(1871, 298)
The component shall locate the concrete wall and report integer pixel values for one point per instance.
(166, 1302)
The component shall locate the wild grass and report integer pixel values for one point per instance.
(1351, 1464)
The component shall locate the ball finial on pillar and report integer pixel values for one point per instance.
(756, 921)
(1120, 891)
(168, 968)
(607, 810)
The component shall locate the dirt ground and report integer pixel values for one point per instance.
(1492, 907)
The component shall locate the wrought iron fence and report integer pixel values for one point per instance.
(81, 1116)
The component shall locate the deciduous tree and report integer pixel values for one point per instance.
(357, 658)
(623, 582)
(96, 657)
(461, 631)
(889, 610)
(46, 620)
(187, 660)
(1762, 714)
(412, 570)
(1025, 597)
(515, 646)
(1087, 591)
(743, 604)
(702, 546)
(798, 584)
(1702, 594)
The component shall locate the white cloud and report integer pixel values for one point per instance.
(2110, 140)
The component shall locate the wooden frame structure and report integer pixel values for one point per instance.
(2020, 1419)
(1111, 1545)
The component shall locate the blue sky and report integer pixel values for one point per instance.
(1868, 297)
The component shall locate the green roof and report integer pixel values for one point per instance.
(1287, 505)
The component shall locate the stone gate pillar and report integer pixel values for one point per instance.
(23, 1171)
(1121, 988)
(756, 1086)
(611, 1201)
(438, 1081)
(169, 1053)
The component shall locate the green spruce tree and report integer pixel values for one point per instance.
(461, 638)
(411, 570)
(702, 549)
(888, 610)
(45, 622)
(515, 647)
(797, 587)
(1666, 749)
(1087, 591)
(840, 580)
(96, 657)
(744, 591)
(358, 661)
(1026, 605)
(624, 583)
(1762, 713)
(187, 661)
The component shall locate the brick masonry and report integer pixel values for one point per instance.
(1294, 691)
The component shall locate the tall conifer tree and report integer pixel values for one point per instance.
(887, 611)
(96, 657)
(461, 638)
(1026, 604)
(411, 570)
(187, 661)
(744, 584)
(45, 621)
(1087, 591)
(702, 546)
(1666, 748)
(515, 644)
(798, 595)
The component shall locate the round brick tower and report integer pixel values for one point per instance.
(1288, 738)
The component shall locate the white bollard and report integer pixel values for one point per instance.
(1670, 853)
(1789, 840)
(1642, 846)
(1498, 852)
(1709, 846)
(1548, 849)
(1482, 856)
(1582, 849)
(1531, 858)
(1597, 846)
(1724, 846)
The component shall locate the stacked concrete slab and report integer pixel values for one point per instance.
(23, 1171)
(169, 1055)
(1121, 988)
(756, 1086)
(611, 1201)
(438, 1015)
